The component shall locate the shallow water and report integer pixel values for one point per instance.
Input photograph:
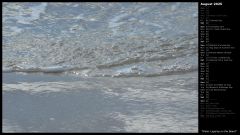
(51, 104)
(100, 67)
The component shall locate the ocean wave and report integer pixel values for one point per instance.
(128, 42)
(139, 70)
(130, 58)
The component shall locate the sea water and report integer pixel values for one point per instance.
(100, 67)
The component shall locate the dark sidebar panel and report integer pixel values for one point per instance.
(218, 67)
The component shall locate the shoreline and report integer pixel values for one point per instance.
(53, 103)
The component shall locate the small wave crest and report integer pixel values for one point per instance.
(52, 69)
(137, 70)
